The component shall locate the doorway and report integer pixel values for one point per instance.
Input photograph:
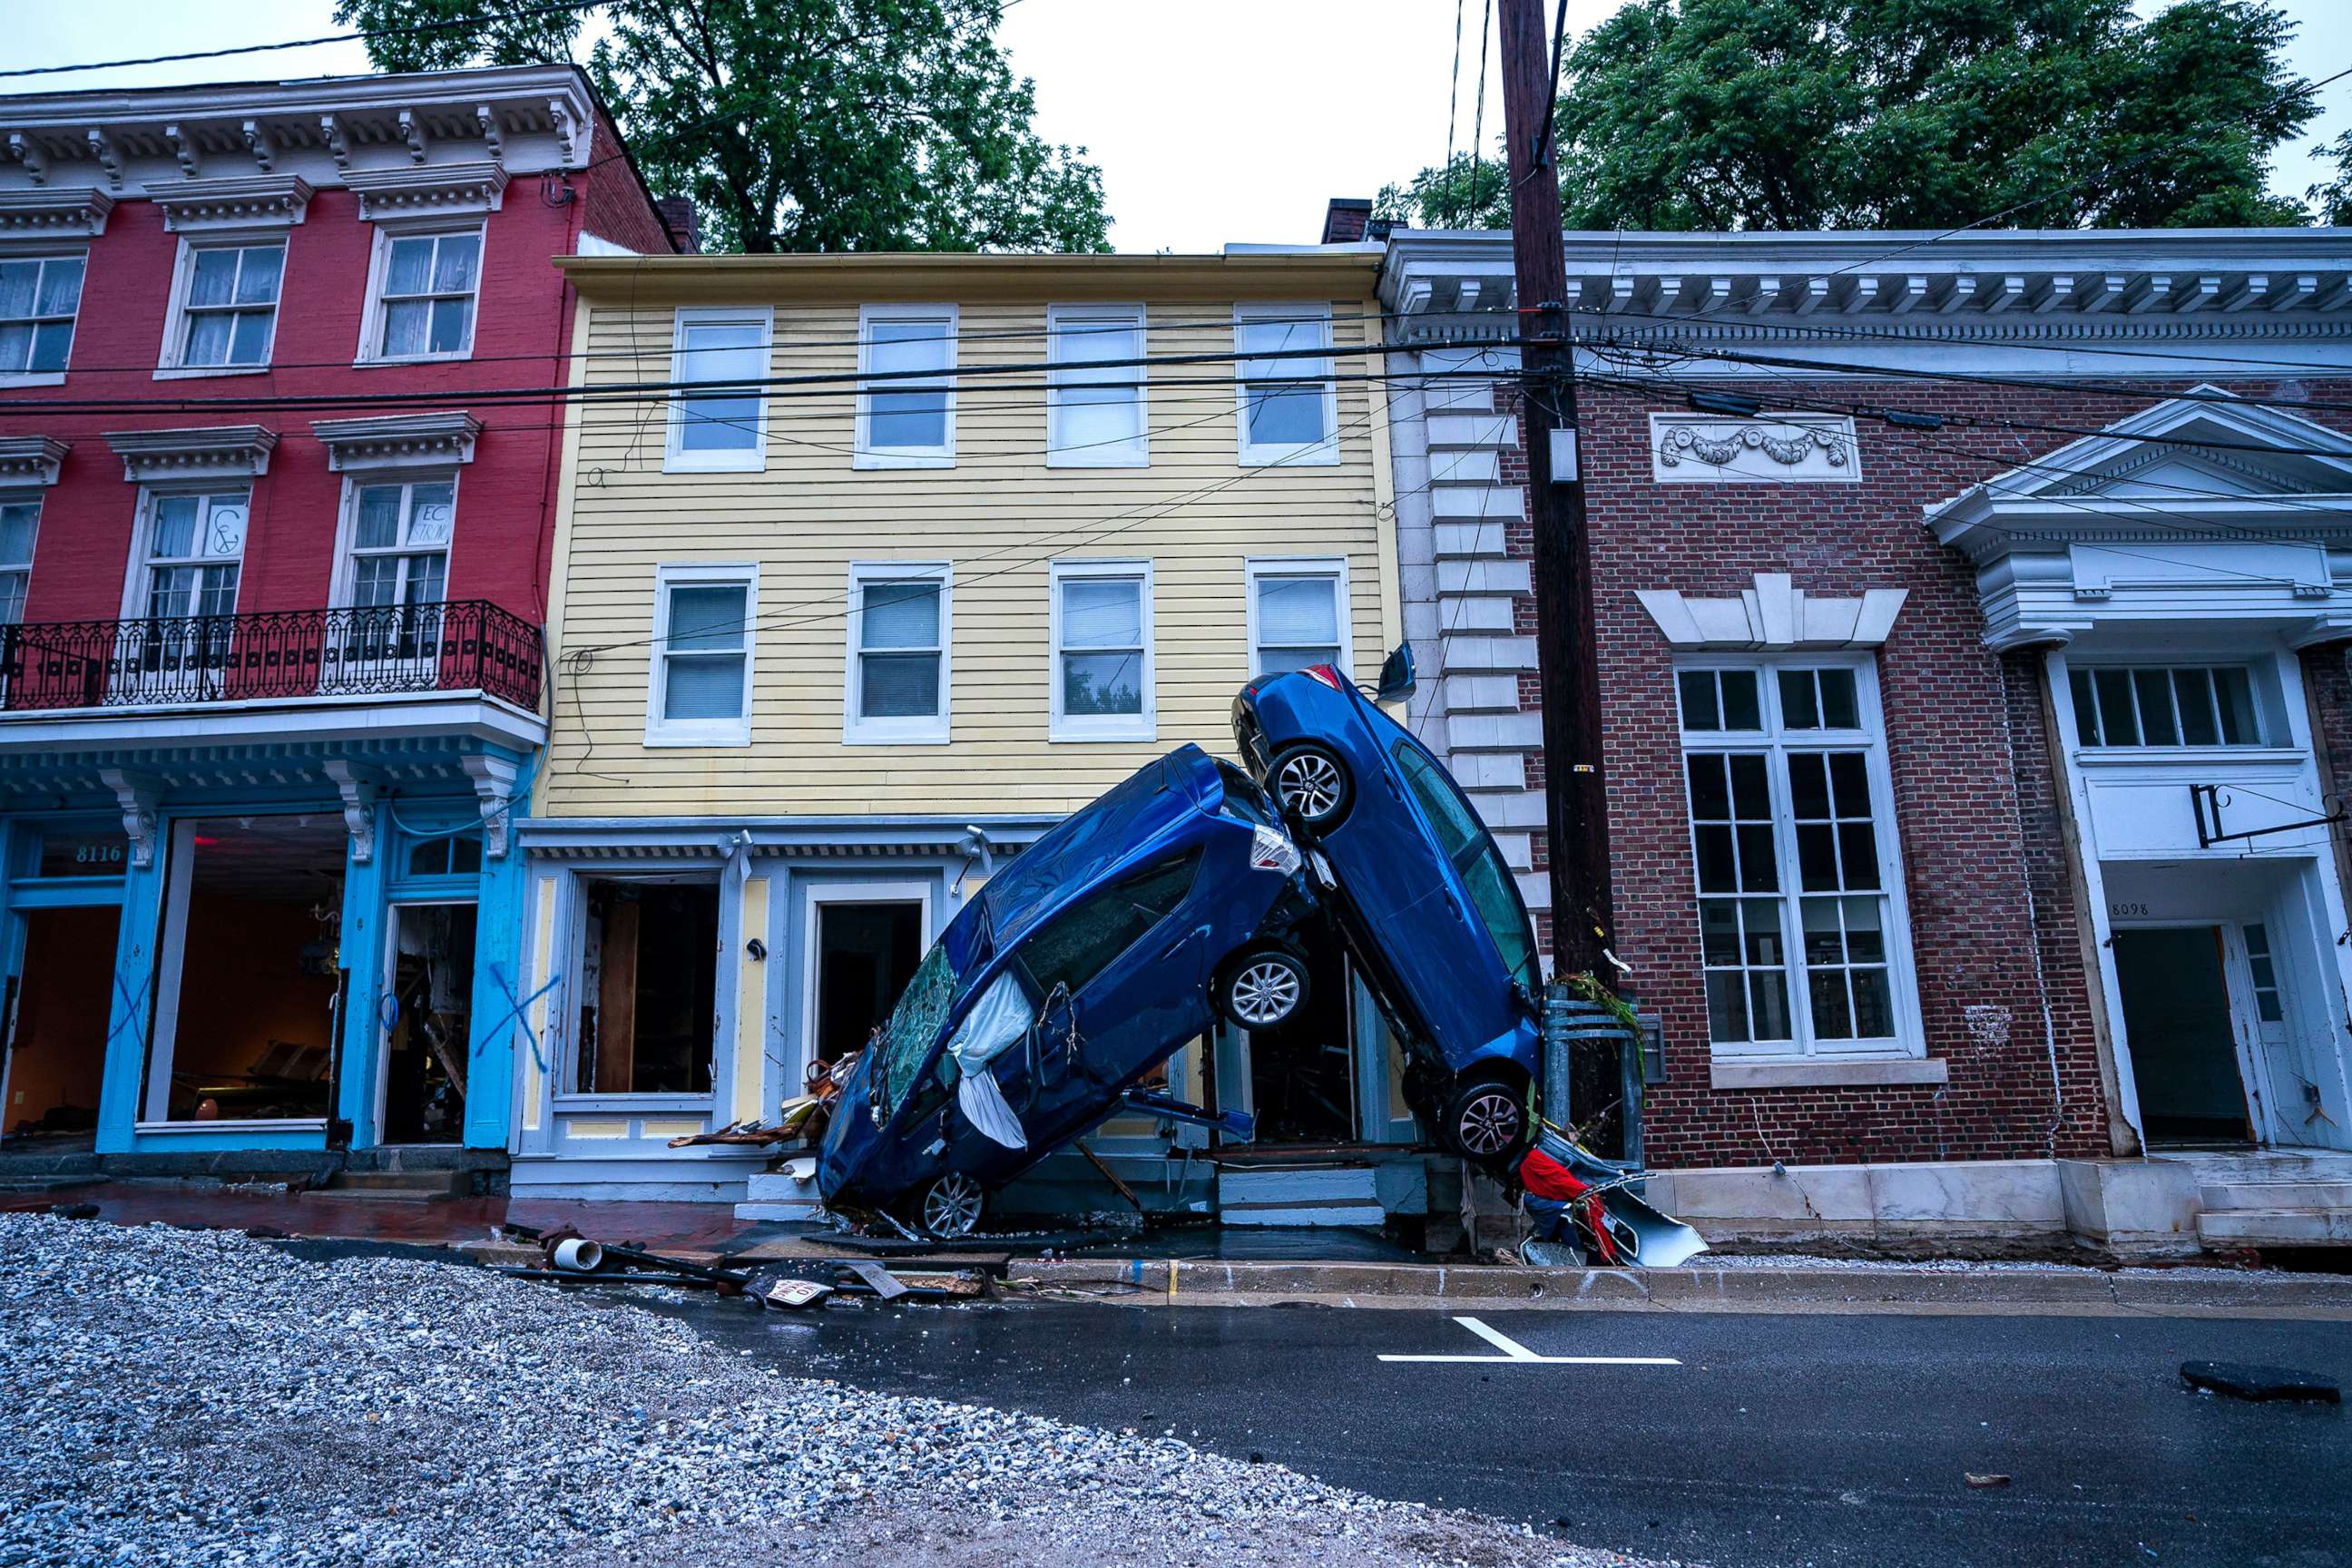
(57, 1021)
(1302, 1072)
(427, 1007)
(866, 954)
(2183, 1030)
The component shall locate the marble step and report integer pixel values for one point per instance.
(1333, 1196)
(2284, 1195)
(2274, 1228)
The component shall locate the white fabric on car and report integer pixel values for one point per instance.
(1000, 1017)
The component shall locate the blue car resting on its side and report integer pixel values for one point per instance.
(1420, 892)
(1085, 963)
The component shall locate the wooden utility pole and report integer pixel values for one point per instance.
(1567, 651)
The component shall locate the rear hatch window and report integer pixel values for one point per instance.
(1493, 897)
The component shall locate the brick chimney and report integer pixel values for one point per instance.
(1345, 219)
(677, 217)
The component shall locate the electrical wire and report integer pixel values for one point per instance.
(312, 43)
(1453, 103)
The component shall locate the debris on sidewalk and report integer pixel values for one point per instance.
(1982, 1481)
(2245, 1380)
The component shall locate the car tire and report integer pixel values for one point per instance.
(1264, 989)
(1311, 784)
(1486, 1119)
(951, 1207)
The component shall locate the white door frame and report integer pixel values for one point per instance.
(387, 975)
(818, 892)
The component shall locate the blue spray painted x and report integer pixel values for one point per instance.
(517, 1011)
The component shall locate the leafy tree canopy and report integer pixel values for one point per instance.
(2333, 199)
(799, 125)
(1928, 114)
(1468, 194)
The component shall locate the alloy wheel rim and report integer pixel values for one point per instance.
(1265, 992)
(953, 1205)
(1490, 1123)
(1310, 785)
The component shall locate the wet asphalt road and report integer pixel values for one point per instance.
(1777, 1440)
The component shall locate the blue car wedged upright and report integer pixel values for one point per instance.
(1125, 932)
(1419, 891)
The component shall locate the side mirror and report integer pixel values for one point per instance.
(1397, 679)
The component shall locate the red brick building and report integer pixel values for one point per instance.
(1961, 602)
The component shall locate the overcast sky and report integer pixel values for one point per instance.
(1235, 123)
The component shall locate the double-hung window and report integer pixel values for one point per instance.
(1289, 406)
(905, 399)
(1297, 615)
(400, 543)
(701, 677)
(724, 430)
(898, 634)
(20, 522)
(1102, 679)
(39, 297)
(2172, 705)
(225, 315)
(1801, 919)
(184, 587)
(1094, 409)
(426, 295)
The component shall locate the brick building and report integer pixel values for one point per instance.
(1962, 602)
(276, 569)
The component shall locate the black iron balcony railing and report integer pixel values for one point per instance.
(469, 644)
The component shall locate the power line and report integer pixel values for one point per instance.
(1453, 101)
(1479, 112)
(312, 43)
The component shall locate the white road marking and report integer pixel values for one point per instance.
(1515, 1352)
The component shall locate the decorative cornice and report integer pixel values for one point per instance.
(1775, 615)
(76, 211)
(431, 190)
(1786, 448)
(398, 440)
(216, 452)
(31, 459)
(244, 201)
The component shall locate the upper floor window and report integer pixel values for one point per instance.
(1289, 407)
(425, 295)
(1297, 616)
(905, 420)
(20, 521)
(897, 687)
(1102, 651)
(38, 299)
(195, 553)
(701, 693)
(2190, 705)
(226, 313)
(727, 430)
(1793, 836)
(400, 543)
(1094, 410)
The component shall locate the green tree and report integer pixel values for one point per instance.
(1469, 195)
(799, 125)
(1798, 114)
(2333, 199)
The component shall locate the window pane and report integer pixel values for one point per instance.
(1096, 411)
(1761, 920)
(1085, 940)
(1825, 938)
(375, 581)
(15, 348)
(2193, 690)
(907, 420)
(1716, 871)
(1727, 1008)
(1296, 610)
(1799, 710)
(256, 279)
(1718, 932)
(2119, 725)
(223, 526)
(1817, 858)
(17, 527)
(719, 424)
(2086, 716)
(705, 618)
(175, 527)
(1759, 866)
(1097, 342)
(426, 579)
(1102, 684)
(1808, 787)
(1709, 786)
(1850, 778)
(1750, 797)
(1284, 414)
(2258, 939)
(409, 268)
(379, 518)
(1873, 1005)
(704, 689)
(2266, 1003)
(432, 510)
(899, 685)
(405, 325)
(906, 346)
(1840, 710)
(1741, 711)
(900, 615)
(1102, 613)
(1832, 1019)
(1768, 997)
(1865, 941)
(19, 285)
(208, 339)
(453, 263)
(1858, 847)
(52, 343)
(214, 278)
(452, 324)
(2156, 725)
(250, 345)
(1282, 660)
(2234, 692)
(60, 287)
(1699, 709)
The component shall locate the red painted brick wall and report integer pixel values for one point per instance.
(1993, 914)
(617, 208)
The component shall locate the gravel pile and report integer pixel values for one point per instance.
(178, 1397)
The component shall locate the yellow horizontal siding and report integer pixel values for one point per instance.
(998, 515)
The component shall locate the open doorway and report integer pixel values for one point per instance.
(865, 952)
(2184, 1049)
(251, 972)
(57, 1021)
(428, 1007)
(1303, 1071)
(649, 962)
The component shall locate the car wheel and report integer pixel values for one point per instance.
(1312, 784)
(1263, 989)
(1486, 1118)
(951, 1207)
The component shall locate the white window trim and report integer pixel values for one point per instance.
(856, 729)
(661, 731)
(1131, 454)
(867, 454)
(379, 267)
(342, 592)
(1142, 726)
(142, 537)
(1909, 1042)
(1332, 566)
(183, 276)
(574, 914)
(13, 496)
(676, 458)
(49, 377)
(1308, 453)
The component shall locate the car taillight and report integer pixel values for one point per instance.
(1328, 676)
(1271, 850)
